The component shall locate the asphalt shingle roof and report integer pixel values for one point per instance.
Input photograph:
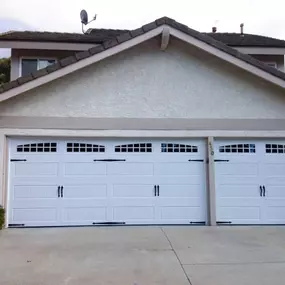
(98, 36)
(134, 33)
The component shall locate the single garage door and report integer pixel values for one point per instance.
(90, 182)
(250, 181)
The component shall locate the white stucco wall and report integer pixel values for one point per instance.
(144, 82)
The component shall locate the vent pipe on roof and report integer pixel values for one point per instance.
(214, 29)
(241, 28)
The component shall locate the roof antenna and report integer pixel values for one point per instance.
(241, 29)
(84, 19)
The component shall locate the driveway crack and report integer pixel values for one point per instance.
(177, 257)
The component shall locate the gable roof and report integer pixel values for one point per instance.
(98, 36)
(128, 36)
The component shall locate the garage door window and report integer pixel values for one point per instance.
(275, 148)
(238, 148)
(37, 147)
(170, 147)
(137, 147)
(84, 147)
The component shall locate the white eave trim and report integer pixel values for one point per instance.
(261, 50)
(46, 45)
(135, 41)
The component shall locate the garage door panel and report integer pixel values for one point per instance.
(274, 169)
(85, 191)
(175, 202)
(39, 215)
(180, 190)
(180, 213)
(239, 202)
(240, 180)
(134, 213)
(85, 169)
(276, 214)
(238, 191)
(275, 191)
(34, 192)
(130, 169)
(175, 168)
(192, 180)
(242, 169)
(244, 214)
(79, 215)
(36, 169)
(133, 190)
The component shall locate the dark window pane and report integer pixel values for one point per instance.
(29, 66)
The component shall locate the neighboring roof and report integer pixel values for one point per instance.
(246, 40)
(98, 36)
(219, 46)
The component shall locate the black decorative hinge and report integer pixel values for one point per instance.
(109, 160)
(197, 223)
(16, 225)
(198, 160)
(221, 160)
(18, 160)
(109, 223)
(223, 222)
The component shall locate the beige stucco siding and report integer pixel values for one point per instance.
(145, 82)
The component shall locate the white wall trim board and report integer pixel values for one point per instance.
(139, 133)
(164, 124)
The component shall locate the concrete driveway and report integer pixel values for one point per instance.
(143, 256)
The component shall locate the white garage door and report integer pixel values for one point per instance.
(250, 181)
(55, 183)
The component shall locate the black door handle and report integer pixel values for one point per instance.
(157, 190)
(58, 191)
(260, 191)
(154, 190)
(61, 190)
(263, 191)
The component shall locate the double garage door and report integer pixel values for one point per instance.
(91, 182)
(80, 182)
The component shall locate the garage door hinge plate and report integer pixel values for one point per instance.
(197, 223)
(109, 223)
(109, 160)
(16, 225)
(221, 160)
(223, 222)
(197, 160)
(18, 159)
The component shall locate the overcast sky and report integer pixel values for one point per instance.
(260, 16)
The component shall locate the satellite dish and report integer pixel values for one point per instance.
(84, 17)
